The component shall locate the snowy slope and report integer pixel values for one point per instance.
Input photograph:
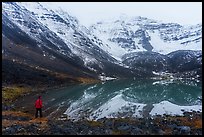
(166, 107)
(165, 47)
(61, 25)
(56, 34)
(29, 24)
(134, 34)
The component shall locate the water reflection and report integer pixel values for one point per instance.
(124, 98)
(138, 98)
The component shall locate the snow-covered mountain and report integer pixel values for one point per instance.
(53, 42)
(57, 42)
(133, 34)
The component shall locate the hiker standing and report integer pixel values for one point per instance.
(38, 106)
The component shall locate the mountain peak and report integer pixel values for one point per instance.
(138, 33)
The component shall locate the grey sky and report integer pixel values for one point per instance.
(91, 12)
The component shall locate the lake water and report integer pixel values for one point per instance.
(120, 98)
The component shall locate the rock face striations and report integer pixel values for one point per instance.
(41, 45)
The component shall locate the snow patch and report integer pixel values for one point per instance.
(104, 78)
(166, 107)
(75, 108)
(113, 106)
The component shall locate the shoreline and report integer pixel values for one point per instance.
(17, 122)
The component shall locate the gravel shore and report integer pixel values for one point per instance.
(18, 123)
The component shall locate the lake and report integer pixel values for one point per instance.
(119, 98)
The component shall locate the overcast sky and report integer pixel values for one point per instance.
(185, 13)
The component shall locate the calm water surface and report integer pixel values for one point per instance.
(119, 98)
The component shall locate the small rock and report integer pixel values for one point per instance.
(108, 123)
(136, 131)
(184, 129)
(124, 127)
(108, 131)
(160, 132)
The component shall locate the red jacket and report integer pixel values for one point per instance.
(38, 103)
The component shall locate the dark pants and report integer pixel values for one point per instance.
(36, 113)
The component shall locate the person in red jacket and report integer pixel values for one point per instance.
(38, 106)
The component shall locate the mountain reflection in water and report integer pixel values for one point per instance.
(119, 98)
(137, 98)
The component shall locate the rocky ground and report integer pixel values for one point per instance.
(19, 123)
(15, 122)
